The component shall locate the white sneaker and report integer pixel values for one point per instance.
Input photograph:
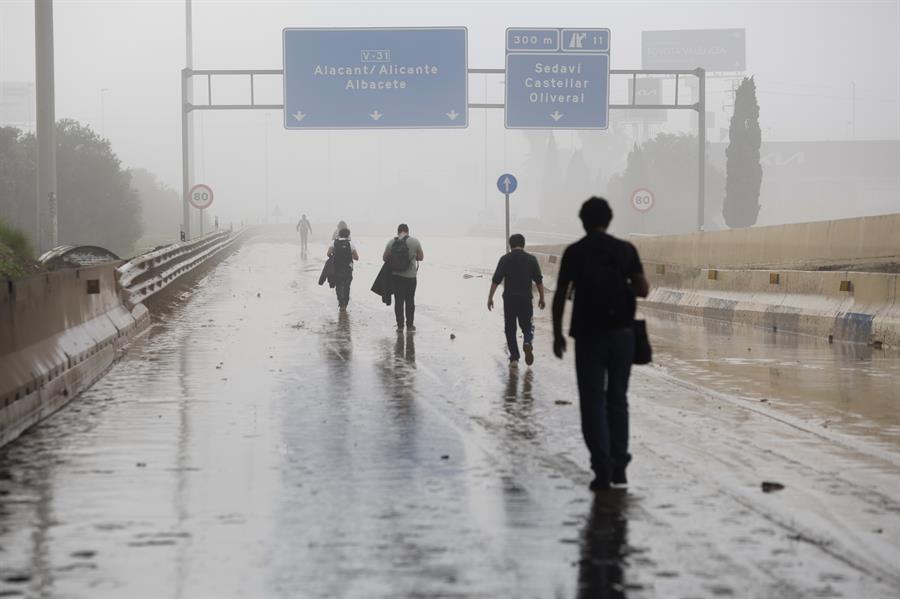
(513, 363)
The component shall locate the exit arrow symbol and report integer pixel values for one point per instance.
(299, 115)
(452, 115)
(375, 115)
(556, 115)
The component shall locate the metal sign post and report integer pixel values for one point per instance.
(507, 184)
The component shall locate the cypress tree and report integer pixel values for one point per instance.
(743, 171)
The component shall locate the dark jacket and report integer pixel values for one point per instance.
(382, 284)
(328, 273)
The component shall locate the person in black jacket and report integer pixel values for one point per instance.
(517, 270)
(606, 276)
(342, 253)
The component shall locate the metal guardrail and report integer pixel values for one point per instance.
(150, 273)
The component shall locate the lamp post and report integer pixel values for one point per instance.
(103, 91)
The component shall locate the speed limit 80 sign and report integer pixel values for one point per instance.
(201, 196)
(642, 199)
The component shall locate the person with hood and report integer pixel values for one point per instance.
(337, 232)
(342, 253)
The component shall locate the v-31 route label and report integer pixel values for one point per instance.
(557, 79)
(375, 78)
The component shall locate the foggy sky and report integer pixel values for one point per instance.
(805, 56)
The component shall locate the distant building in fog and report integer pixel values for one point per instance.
(17, 105)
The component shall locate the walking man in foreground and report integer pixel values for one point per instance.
(517, 270)
(305, 228)
(404, 253)
(342, 253)
(606, 276)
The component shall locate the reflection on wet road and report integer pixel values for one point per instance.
(259, 443)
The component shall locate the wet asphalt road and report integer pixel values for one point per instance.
(257, 443)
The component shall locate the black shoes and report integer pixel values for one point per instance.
(618, 475)
(605, 478)
(600, 483)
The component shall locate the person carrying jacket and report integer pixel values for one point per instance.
(404, 253)
(342, 253)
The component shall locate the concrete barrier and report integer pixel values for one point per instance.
(835, 244)
(848, 243)
(861, 307)
(59, 332)
(760, 276)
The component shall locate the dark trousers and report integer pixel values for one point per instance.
(342, 289)
(521, 310)
(404, 290)
(603, 365)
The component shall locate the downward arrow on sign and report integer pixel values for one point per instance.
(556, 115)
(375, 115)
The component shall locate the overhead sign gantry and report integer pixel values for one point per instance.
(365, 78)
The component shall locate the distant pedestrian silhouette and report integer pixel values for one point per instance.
(305, 228)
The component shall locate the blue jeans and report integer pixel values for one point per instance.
(603, 365)
(521, 310)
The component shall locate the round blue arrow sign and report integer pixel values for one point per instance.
(507, 183)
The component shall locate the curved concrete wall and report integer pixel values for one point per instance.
(59, 332)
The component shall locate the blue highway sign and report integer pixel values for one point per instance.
(507, 183)
(566, 87)
(375, 78)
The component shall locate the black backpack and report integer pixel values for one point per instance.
(399, 255)
(343, 256)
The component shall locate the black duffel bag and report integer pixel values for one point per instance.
(643, 353)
